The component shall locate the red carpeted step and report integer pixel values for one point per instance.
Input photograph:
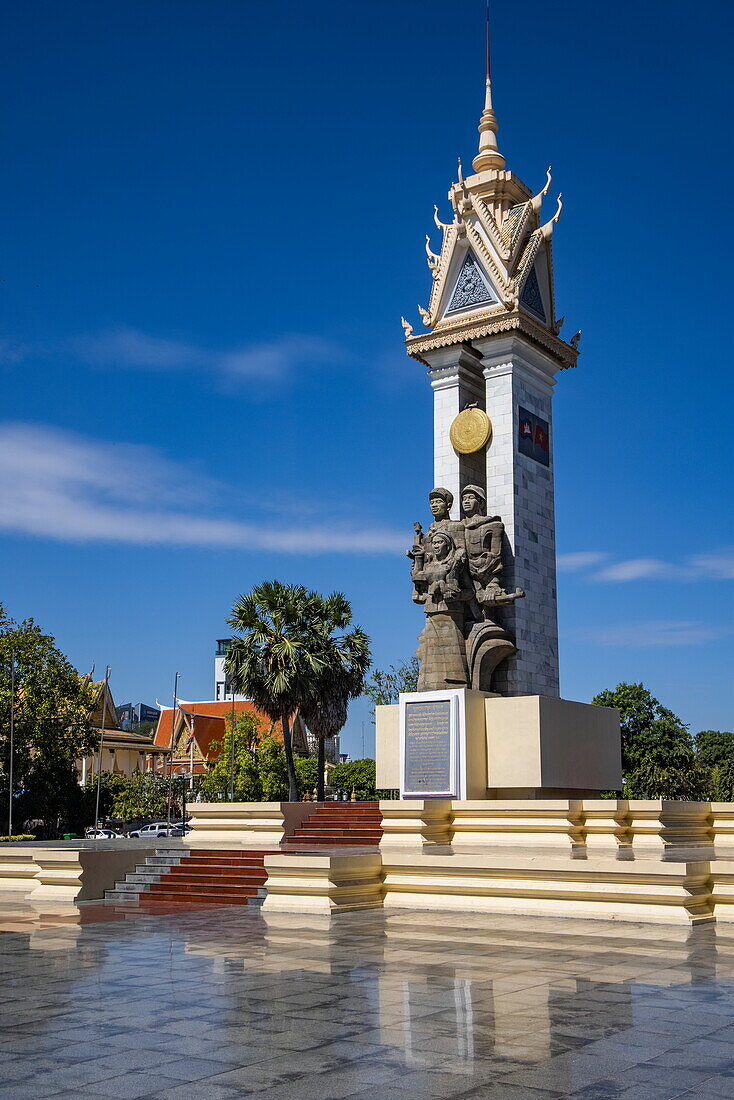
(219, 872)
(202, 897)
(324, 845)
(194, 877)
(207, 888)
(326, 832)
(228, 865)
(226, 876)
(339, 824)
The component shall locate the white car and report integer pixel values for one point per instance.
(156, 829)
(102, 834)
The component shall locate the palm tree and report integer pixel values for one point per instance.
(284, 649)
(346, 661)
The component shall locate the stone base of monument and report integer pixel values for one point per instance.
(635, 860)
(464, 744)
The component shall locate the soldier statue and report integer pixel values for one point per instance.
(456, 570)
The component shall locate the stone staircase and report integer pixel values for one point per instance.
(139, 881)
(339, 824)
(228, 876)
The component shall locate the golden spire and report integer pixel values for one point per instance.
(489, 155)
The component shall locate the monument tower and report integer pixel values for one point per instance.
(493, 350)
(486, 720)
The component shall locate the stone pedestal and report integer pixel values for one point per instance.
(468, 745)
(411, 824)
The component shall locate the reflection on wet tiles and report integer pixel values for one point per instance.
(224, 1003)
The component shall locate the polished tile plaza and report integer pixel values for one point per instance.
(222, 1003)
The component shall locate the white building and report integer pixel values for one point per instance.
(221, 687)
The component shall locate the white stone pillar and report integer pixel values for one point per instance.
(456, 380)
(520, 490)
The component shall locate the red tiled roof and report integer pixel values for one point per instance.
(209, 721)
(164, 729)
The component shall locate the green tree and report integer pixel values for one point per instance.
(385, 685)
(279, 653)
(144, 795)
(273, 771)
(358, 775)
(307, 774)
(52, 707)
(658, 759)
(144, 728)
(715, 748)
(345, 660)
(715, 756)
(110, 788)
(236, 766)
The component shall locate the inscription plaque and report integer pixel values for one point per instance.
(427, 747)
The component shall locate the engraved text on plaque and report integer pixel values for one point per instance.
(428, 747)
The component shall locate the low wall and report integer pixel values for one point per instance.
(414, 822)
(245, 824)
(653, 890)
(68, 872)
(623, 829)
(322, 883)
(633, 860)
(17, 866)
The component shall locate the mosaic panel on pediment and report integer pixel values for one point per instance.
(472, 287)
(531, 296)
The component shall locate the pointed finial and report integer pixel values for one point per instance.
(433, 259)
(547, 229)
(489, 155)
(537, 200)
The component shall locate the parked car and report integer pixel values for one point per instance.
(156, 829)
(102, 834)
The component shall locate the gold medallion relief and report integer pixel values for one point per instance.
(470, 431)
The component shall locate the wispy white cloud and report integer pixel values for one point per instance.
(717, 563)
(58, 485)
(581, 559)
(126, 348)
(646, 634)
(644, 569)
(271, 360)
(711, 565)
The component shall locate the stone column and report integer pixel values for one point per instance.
(456, 380)
(520, 489)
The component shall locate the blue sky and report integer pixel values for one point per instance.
(213, 216)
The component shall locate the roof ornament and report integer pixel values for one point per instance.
(558, 325)
(407, 327)
(574, 341)
(537, 200)
(425, 316)
(460, 171)
(433, 259)
(437, 220)
(547, 229)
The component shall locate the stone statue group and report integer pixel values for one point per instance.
(456, 570)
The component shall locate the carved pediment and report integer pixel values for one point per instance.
(471, 287)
